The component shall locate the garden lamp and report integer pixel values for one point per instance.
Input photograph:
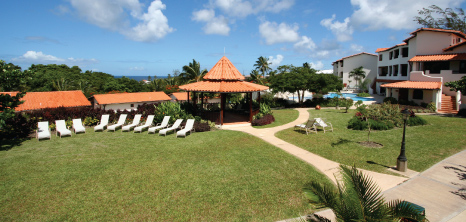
(402, 161)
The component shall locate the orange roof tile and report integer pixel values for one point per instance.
(224, 70)
(438, 57)
(381, 49)
(54, 99)
(454, 46)
(386, 49)
(131, 97)
(223, 86)
(413, 85)
(413, 34)
(181, 96)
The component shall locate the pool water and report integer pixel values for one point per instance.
(333, 95)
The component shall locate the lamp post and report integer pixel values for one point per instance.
(402, 161)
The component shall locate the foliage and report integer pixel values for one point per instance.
(358, 198)
(363, 94)
(431, 106)
(262, 65)
(356, 123)
(264, 120)
(392, 100)
(436, 17)
(169, 109)
(416, 121)
(192, 72)
(364, 86)
(201, 127)
(347, 103)
(357, 74)
(462, 112)
(459, 85)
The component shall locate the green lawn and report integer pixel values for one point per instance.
(282, 116)
(425, 145)
(211, 176)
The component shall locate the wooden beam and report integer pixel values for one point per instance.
(222, 107)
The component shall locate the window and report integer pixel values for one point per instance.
(395, 70)
(404, 69)
(390, 56)
(132, 105)
(341, 74)
(462, 67)
(418, 94)
(341, 63)
(404, 52)
(383, 70)
(390, 70)
(435, 67)
(380, 57)
(397, 53)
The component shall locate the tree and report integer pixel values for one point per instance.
(294, 81)
(357, 74)
(193, 73)
(322, 83)
(263, 65)
(459, 85)
(436, 17)
(256, 77)
(358, 198)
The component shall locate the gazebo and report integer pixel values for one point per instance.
(224, 78)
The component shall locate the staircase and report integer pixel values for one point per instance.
(448, 105)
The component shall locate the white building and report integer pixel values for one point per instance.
(344, 66)
(412, 70)
(127, 101)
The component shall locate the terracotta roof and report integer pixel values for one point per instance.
(181, 96)
(131, 97)
(381, 49)
(413, 34)
(224, 70)
(355, 55)
(386, 49)
(223, 86)
(438, 57)
(54, 99)
(454, 46)
(414, 85)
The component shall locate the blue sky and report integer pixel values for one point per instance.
(144, 37)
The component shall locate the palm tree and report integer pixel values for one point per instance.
(262, 65)
(256, 77)
(358, 198)
(192, 72)
(357, 74)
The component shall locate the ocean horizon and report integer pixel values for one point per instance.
(140, 78)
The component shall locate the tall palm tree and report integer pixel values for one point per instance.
(358, 198)
(358, 74)
(256, 77)
(262, 65)
(192, 72)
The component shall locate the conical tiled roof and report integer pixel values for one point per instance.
(224, 70)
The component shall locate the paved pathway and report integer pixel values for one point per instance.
(441, 190)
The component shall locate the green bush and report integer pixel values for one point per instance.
(356, 123)
(431, 106)
(391, 100)
(416, 121)
(169, 109)
(363, 94)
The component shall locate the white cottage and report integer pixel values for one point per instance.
(127, 101)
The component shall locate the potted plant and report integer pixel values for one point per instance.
(317, 107)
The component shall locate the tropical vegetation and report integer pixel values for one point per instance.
(436, 17)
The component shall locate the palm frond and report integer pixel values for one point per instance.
(403, 209)
(321, 195)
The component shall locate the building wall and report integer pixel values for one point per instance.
(432, 42)
(369, 62)
(122, 106)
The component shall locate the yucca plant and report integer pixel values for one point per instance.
(358, 198)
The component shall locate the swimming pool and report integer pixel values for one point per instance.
(345, 95)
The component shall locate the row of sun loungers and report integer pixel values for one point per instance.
(43, 131)
(311, 125)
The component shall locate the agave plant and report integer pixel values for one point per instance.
(358, 198)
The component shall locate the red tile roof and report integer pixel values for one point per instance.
(381, 49)
(224, 70)
(54, 99)
(180, 96)
(454, 46)
(223, 87)
(131, 97)
(386, 49)
(413, 85)
(413, 34)
(438, 57)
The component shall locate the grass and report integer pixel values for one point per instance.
(282, 116)
(211, 176)
(425, 145)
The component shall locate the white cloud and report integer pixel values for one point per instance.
(319, 65)
(305, 44)
(33, 57)
(342, 30)
(214, 25)
(357, 48)
(278, 33)
(274, 62)
(136, 68)
(113, 15)
(241, 8)
(236, 8)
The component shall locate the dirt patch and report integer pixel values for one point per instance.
(370, 144)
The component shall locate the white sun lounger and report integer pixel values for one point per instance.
(160, 126)
(78, 126)
(136, 120)
(188, 128)
(103, 123)
(150, 119)
(61, 128)
(321, 123)
(120, 123)
(175, 126)
(308, 127)
(43, 130)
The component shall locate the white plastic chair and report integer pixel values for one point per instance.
(160, 126)
(319, 122)
(188, 128)
(62, 129)
(136, 120)
(43, 130)
(175, 126)
(120, 123)
(78, 126)
(150, 119)
(308, 127)
(103, 123)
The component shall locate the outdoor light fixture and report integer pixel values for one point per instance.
(402, 161)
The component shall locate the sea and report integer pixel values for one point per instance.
(139, 78)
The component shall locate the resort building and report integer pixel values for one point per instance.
(53, 99)
(127, 101)
(344, 66)
(179, 96)
(417, 69)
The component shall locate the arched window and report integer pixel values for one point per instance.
(418, 94)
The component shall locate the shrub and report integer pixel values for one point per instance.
(347, 103)
(363, 94)
(201, 126)
(462, 112)
(431, 106)
(169, 109)
(416, 121)
(391, 100)
(266, 119)
(356, 123)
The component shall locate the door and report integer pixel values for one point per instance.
(403, 94)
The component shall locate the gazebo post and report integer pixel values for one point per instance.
(250, 107)
(195, 103)
(222, 107)
(188, 96)
(202, 101)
